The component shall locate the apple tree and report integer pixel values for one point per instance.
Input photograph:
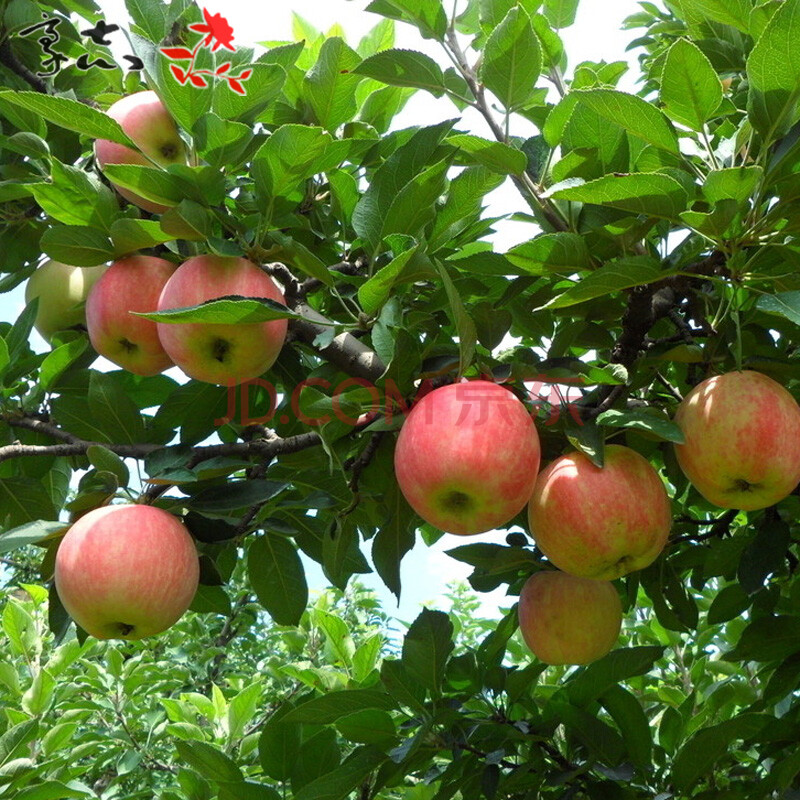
(658, 250)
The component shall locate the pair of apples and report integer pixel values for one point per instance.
(225, 354)
(467, 460)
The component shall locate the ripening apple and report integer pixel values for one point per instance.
(150, 127)
(126, 571)
(600, 523)
(130, 284)
(467, 457)
(227, 354)
(742, 440)
(569, 620)
(62, 291)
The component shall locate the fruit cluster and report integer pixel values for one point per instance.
(467, 459)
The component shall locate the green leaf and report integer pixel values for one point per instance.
(279, 745)
(773, 72)
(427, 15)
(77, 245)
(698, 756)
(340, 782)
(334, 705)
(765, 554)
(627, 712)
(617, 666)
(153, 184)
(783, 304)
(767, 639)
(337, 636)
(637, 116)
(187, 220)
(341, 553)
(222, 142)
(404, 68)
(598, 737)
(39, 696)
(496, 156)
(654, 423)
(512, 60)
(735, 13)
(653, 194)
(734, 183)
(426, 647)
(75, 197)
(22, 501)
(551, 252)
(560, 13)
(59, 360)
(394, 539)
(209, 761)
(690, 88)
(247, 790)
(375, 291)
(278, 579)
(113, 411)
(218, 500)
(331, 83)
(69, 114)
(620, 274)
(225, 311)
(51, 790)
(728, 603)
(370, 726)
(29, 533)
(131, 235)
(465, 327)
(402, 686)
(103, 459)
(150, 17)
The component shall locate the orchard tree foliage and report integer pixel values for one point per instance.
(662, 248)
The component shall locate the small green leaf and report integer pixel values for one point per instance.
(103, 459)
(690, 88)
(277, 577)
(29, 533)
(404, 68)
(496, 156)
(77, 245)
(225, 311)
(512, 60)
(784, 304)
(656, 424)
(426, 647)
(209, 761)
(131, 235)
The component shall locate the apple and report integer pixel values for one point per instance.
(742, 440)
(62, 290)
(130, 284)
(467, 457)
(126, 571)
(149, 125)
(600, 523)
(569, 620)
(227, 354)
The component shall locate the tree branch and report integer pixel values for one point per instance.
(9, 59)
(345, 351)
(343, 268)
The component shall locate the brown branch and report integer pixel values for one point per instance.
(357, 464)
(719, 527)
(343, 268)
(41, 426)
(9, 59)
(345, 351)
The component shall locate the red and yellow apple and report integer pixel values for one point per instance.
(146, 121)
(62, 291)
(227, 354)
(569, 620)
(130, 284)
(467, 457)
(600, 523)
(742, 440)
(126, 571)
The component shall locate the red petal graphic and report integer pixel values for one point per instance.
(199, 27)
(236, 86)
(245, 75)
(199, 81)
(178, 73)
(224, 68)
(178, 53)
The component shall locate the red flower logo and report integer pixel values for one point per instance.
(217, 29)
(219, 32)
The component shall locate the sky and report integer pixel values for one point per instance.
(596, 35)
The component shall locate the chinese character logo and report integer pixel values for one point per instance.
(218, 33)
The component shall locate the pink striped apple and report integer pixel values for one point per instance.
(600, 523)
(568, 620)
(467, 457)
(150, 127)
(226, 354)
(742, 440)
(126, 571)
(130, 284)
